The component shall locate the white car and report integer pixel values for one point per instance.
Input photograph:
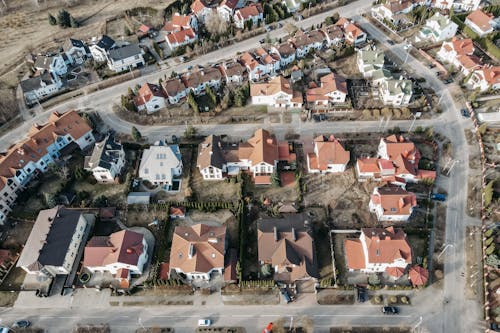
(204, 322)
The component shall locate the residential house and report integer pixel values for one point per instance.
(369, 61)
(180, 22)
(329, 156)
(438, 28)
(318, 38)
(449, 51)
(150, 97)
(485, 77)
(457, 5)
(375, 168)
(352, 33)
(396, 92)
(201, 10)
(233, 72)
(255, 69)
(480, 22)
(122, 254)
(181, 38)
(198, 80)
(287, 245)
(392, 203)
(227, 7)
(378, 249)
(100, 49)
(270, 61)
(54, 243)
(332, 89)
(198, 251)
(392, 10)
(252, 12)
(214, 156)
(40, 87)
(277, 92)
(175, 90)
(52, 64)
(160, 164)
(107, 160)
(76, 51)
(302, 43)
(125, 58)
(380, 76)
(468, 63)
(334, 35)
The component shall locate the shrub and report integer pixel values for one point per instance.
(393, 299)
(377, 299)
(405, 300)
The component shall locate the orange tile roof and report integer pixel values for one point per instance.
(120, 247)
(248, 60)
(198, 248)
(147, 92)
(394, 200)
(177, 211)
(353, 30)
(329, 151)
(262, 147)
(247, 12)
(481, 19)
(462, 46)
(181, 20)
(354, 254)
(198, 5)
(398, 145)
(181, 36)
(274, 86)
(369, 164)
(396, 272)
(469, 62)
(386, 245)
(491, 74)
(329, 84)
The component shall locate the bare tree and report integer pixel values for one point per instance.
(290, 28)
(215, 24)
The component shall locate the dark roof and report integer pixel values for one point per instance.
(106, 42)
(33, 83)
(210, 153)
(124, 52)
(70, 43)
(105, 153)
(43, 62)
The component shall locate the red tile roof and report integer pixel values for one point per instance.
(462, 46)
(481, 19)
(262, 147)
(394, 200)
(469, 62)
(248, 12)
(386, 245)
(329, 151)
(329, 84)
(147, 92)
(369, 164)
(198, 5)
(181, 36)
(354, 254)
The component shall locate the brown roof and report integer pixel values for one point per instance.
(274, 86)
(353, 30)
(247, 12)
(198, 5)
(398, 6)
(262, 147)
(233, 68)
(285, 49)
(247, 59)
(481, 19)
(469, 62)
(418, 275)
(394, 200)
(354, 254)
(229, 3)
(329, 84)
(317, 36)
(107, 212)
(200, 77)
(198, 248)
(120, 247)
(396, 272)
(301, 39)
(386, 245)
(146, 92)
(491, 74)
(333, 32)
(177, 211)
(286, 243)
(173, 87)
(398, 145)
(330, 151)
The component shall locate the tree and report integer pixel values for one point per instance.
(488, 193)
(52, 19)
(290, 28)
(211, 94)
(192, 102)
(275, 179)
(249, 24)
(190, 132)
(73, 22)
(136, 134)
(216, 25)
(64, 19)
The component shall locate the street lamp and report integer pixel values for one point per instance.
(407, 48)
(447, 246)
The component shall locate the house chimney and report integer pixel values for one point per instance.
(191, 251)
(294, 235)
(275, 234)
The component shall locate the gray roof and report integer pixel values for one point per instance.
(138, 198)
(106, 42)
(124, 52)
(70, 43)
(43, 62)
(34, 83)
(105, 153)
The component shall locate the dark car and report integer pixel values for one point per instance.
(448, 80)
(438, 197)
(391, 310)
(362, 295)
(286, 295)
(432, 65)
(261, 41)
(465, 113)
(21, 324)
(390, 42)
(319, 117)
(495, 327)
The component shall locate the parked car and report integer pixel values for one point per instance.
(390, 42)
(280, 25)
(262, 41)
(448, 80)
(21, 324)
(495, 327)
(362, 295)
(392, 310)
(465, 113)
(286, 295)
(5, 330)
(438, 197)
(204, 322)
(432, 66)
(319, 117)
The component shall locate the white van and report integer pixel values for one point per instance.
(204, 322)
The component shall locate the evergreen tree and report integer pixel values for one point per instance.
(64, 19)
(136, 134)
(52, 19)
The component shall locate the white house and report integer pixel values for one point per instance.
(53, 64)
(255, 69)
(334, 35)
(352, 33)
(302, 43)
(212, 158)
(160, 164)
(233, 72)
(150, 97)
(227, 7)
(369, 61)
(40, 87)
(54, 242)
(332, 89)
(99, 50)
(396, 92)
(198, 251)
(76, 51)
(271, 62)
(125, 58)
(175, 90)
(480, 22)
(457, 5)
(329, 156)
(252, 12)
(181, 38)
(438, 28)
(449, 51)
(392, 203)
(277, 92)
(201, 10)
(485, 77)
(378, 249)
(468, 63)
(122, 253)
(286, 52)
(106, 161)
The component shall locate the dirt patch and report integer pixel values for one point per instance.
(474, 196)
(473, 269)
(265, 297)
(335, 297)
(8, 298)
(14, 280)
(439, 237)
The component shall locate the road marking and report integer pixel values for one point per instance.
(354, 315)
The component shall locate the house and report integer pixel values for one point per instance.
(334, 35)
(160, 164)
(392, 203)
(201, 10)
(302, 43)
(54, 243)
(286, 53)
(227, 7)
(252, 12)
(255, 69)
(485, 77)
(40, 87)
(393, 10)
(138, 198)
(233, 72)
(213, 158)
(122, 254)
(198, 251)
(449, 51)
(332, 89)
(318, 38)
(270, 61)
(99, 50)
(396, 92)
(198, 80)
(375, 168)
(468, 63)
(277, 92)
(480, 22)
(125, 58)
(52, 64)
(352, 33)
(286, 244)
(76, 51)
(107, 160)
(329, 156)
(438, 28)
(181, 38)
(380, 76)
(150, 97)
(457, 5)
(175, 90)
(378, 249)
(369, 61)
(180, 22)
